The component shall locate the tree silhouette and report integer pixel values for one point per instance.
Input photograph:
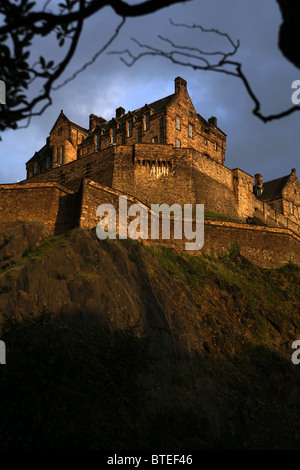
(222, 61)
(22, 24)
(289, 34)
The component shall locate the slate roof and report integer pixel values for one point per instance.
(77, 126)
(44, 152)
(273, 187)
(156, 106)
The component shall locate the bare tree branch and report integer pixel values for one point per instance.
(22, 24)
(198, 59)
(44, 22)
(94, 58)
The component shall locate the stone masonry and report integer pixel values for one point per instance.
(163, 152)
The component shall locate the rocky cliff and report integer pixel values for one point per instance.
(219, 329)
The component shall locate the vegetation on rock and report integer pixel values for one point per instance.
(116, 345)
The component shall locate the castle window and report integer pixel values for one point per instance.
(291, 208)
(178, 143)
(57, 154)
(130, 126)
(215, 145)
(205, 141)
(35, 168)
(139, 134)
(47, 163)
(62, 157)
(299, 212)
(162, 130)
(98, 140)
(147, 122)
(113, 135)
(154, 140)
(177, 123)
(190, 130)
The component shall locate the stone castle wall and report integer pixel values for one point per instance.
(203, 136)
(50, 203)
(161, 153)
(61, 209)
(268, 247)
(157, 173)
(274, 218)
(98, 164)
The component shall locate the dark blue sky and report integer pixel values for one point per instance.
(271, 149)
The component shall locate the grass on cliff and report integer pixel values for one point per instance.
(248, 319)
(227, 269)
(33, 254)
(263, 300)
(85, 388)
(208, 215)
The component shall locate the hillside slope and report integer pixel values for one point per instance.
(220, 329)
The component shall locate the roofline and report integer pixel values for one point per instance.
(275, 179)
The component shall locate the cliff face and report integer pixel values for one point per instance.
(220, 329)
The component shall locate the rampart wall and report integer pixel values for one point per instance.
(268, 247)
(50, 203)
(272, 217)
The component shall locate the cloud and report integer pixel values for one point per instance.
(251, 145)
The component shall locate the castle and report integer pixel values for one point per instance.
(163, 152)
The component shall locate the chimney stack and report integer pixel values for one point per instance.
(119, 112)
(180, 84)
(212, 121)
(92, 121)
(258, 185)
(258, 179)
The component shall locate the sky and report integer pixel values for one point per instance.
(271, 149)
